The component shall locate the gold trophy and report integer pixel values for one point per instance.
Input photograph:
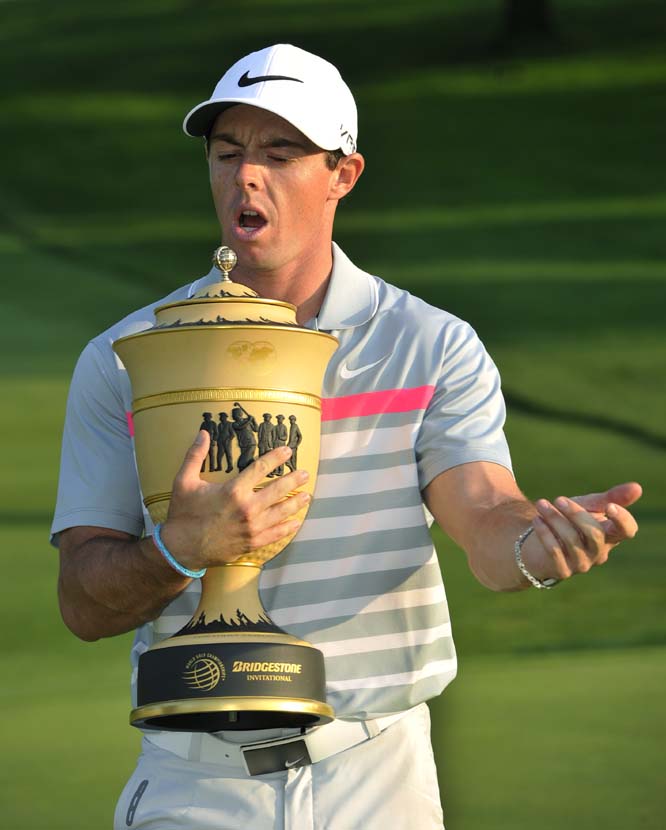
(243, 365)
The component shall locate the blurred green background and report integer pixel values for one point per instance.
(516, 178)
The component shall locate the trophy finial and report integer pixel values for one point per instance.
(225, 259)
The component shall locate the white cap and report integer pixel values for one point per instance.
(302, 88)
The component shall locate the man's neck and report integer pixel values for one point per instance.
(302, 283)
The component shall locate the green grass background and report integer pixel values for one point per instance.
(521, 189)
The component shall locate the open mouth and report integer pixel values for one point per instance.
(250, 220)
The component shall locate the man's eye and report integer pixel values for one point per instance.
(280, 159)
(226, 156)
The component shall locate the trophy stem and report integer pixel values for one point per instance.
(230, 603)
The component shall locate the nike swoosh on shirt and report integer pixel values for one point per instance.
(245, 79)
(346, 373)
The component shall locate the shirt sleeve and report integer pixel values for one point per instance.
(465, 418)
(98, 484)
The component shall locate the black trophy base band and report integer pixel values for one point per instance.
(219, 686)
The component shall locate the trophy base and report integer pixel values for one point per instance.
(220, 682)
(224, 714)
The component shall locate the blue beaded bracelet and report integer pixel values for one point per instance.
(162, 548)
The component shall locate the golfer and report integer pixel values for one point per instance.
(413, 416)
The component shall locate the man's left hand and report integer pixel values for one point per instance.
(580, 532)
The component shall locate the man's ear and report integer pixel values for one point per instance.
(346, 175)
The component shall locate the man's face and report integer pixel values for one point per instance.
(271, 188)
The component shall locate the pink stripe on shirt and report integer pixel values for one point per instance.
(130, 424)
(375, 403)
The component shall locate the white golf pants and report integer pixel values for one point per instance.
(388, 782)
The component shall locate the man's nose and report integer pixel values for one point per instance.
(248, 175)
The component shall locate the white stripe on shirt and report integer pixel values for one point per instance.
(359, 605)
(370, 481)
(395, 518)
(365, 563)
(382, 642)
(364, 442)
(406, 678)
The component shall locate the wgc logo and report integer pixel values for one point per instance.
(204, 671)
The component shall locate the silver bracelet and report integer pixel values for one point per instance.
(517, 548)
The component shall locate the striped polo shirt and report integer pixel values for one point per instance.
(409, 393)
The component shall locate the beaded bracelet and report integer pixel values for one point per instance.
(517, 548)
(162, 548)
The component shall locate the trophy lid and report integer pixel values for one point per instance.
(225, 302)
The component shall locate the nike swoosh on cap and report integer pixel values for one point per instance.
(346, 373)
(245, 79)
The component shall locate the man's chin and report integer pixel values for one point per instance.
(252, 263)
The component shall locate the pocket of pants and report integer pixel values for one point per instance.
(158, 794)
(133, 792)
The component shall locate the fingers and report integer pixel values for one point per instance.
(262, 466)
(274, 534)
(274, 503)
(281, 520)
(573, 537)
(256, 524)
(622, 525)
(553, 546)
(625, 494)
(267, 513)
(286, 508)
(191, 466)
(621, 494)
(279, 488)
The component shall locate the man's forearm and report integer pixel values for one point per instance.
(480, 506)
(110, 585)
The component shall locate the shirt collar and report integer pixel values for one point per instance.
(351, 298)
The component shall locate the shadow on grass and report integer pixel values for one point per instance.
(523, 405)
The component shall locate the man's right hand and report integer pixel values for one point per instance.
(211, 523)
(111, 582)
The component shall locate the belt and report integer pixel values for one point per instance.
(277, 754)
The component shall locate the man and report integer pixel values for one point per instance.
(225, 435)
(265, 434)
(279, 440)
(244, 426)
(209, 426)
(413, 414)
(294, 442)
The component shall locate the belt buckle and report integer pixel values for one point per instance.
(275, 756)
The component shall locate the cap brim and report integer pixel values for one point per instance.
(199, 120)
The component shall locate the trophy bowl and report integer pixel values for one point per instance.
(240, 367)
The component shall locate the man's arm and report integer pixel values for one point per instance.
(480, 506)
(110, 582)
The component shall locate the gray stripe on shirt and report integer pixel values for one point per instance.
(355, 585)
(354, 506)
